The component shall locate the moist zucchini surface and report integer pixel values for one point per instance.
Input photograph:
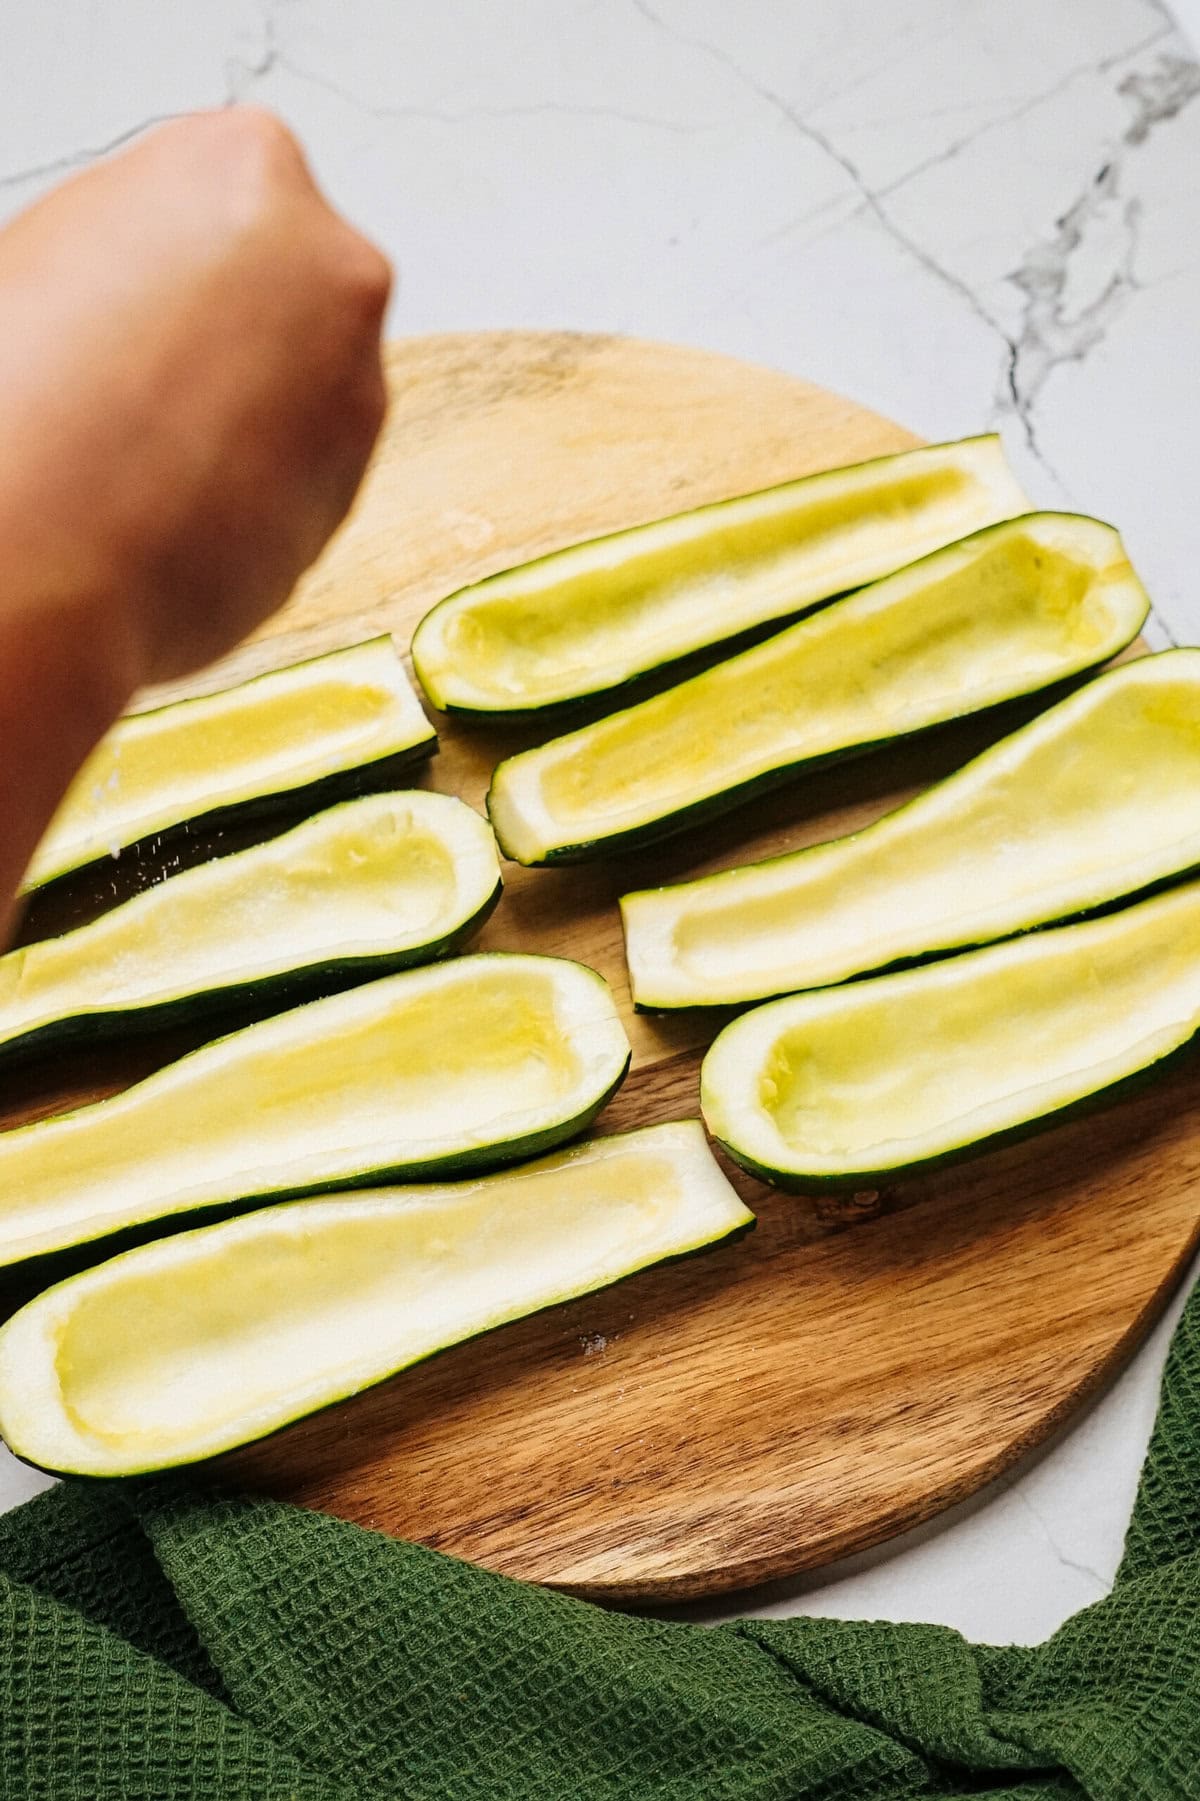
(861, 1083)
(1095, 799)
(375, 884)
(203, 1341)
(465, 1065)
(587, 619)
(1006, 612)
(295, 736)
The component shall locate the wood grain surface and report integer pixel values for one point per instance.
(853, 1366)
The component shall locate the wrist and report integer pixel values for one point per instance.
(67, 670)
(72, 581)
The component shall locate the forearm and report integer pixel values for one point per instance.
(68, 666)
(74, 643)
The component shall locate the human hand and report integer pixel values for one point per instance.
(191, 385)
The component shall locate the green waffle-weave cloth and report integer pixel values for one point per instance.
(159, 1642)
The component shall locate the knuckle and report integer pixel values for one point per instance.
(372, 275)
(262, 146)
(366, 277)
(247, 138)
(258, 126)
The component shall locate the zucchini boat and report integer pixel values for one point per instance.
(212, 1338)
(859, 1084)
(467, 1065)
(587, 619)
(295, 738)
(1096, 799)
(1007, 612)
(373, 885)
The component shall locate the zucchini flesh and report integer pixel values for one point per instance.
(587, 619)
(375, 884)
(195, 1344)
(296, 737)
(462, 1066)
(1095, 799)
(862, 1083)
(1004, 613)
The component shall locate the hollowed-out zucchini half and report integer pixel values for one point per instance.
(298, 737)
(212, 1338)
(1006, 612)
(462, 1066)
(1096, 799)
(376, 884)
(865, 1082)
(587, 619)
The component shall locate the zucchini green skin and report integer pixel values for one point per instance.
(715, 806)
(483, 1158)
(864, 1084)
(342, 1087)
(564, 715)
(150, 1473)
(936, 953)
(696, 1239)
(721, 687)
(605, 697)
(787, 1182)
(251, 1000)
(292, 804)
(734, 1236)
(1100, 790)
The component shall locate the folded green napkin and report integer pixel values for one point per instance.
(160, 1643)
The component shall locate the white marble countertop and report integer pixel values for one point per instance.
(960, 213)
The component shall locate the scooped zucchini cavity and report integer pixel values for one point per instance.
(858, 1084)
(211, 1338)
(1097, 798)
(291, 740)
(376, 884)
(1007, 612)
(467, 1065)
(585, 620)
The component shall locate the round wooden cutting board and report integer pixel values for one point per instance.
(853, 1366)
